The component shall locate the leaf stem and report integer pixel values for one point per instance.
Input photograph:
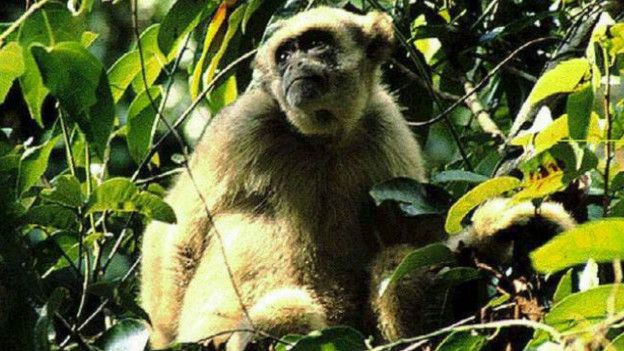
(606, 199)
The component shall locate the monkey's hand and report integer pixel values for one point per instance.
(503, 230)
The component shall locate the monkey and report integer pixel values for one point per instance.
(271, 231)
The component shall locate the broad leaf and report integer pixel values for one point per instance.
(421, 258)
(33, 164)
(564, 287)
(55, 216)
(474, 197)
(331, 339)
(121, 195)
(458, 176)
(11, 67)
(600, 240)
(66, 191)
(181, 19)
(126, 335)
(78, 80)
(563, 78)
(413, 197)
(579, 108)
(141, 118)
(51, 24)
(462, 341)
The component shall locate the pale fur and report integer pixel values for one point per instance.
(287, 200)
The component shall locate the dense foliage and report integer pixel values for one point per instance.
(522, 99)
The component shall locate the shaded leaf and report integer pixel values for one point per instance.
(474, 197)
(141, 118)
(421, 258)
(339, 338)
(66, 191)
(55, 216)
(564, 287)
(51, 24)
(458, 176)
(126, 335)
(33, 164)
(78, 80)
(579, 108)
(600, 240)
(413, 197)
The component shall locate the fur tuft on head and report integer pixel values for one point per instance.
(380, 34)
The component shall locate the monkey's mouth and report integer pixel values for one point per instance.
(303, 88)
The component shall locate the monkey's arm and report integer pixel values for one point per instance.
(171, 253)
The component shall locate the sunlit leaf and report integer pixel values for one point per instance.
(585, 309)
(78, 80)
(474, 197)
(600, 240)
(564, 287)
(181, 19)
(462, 341)
(213, 28)
(563, 78)
(11, 67)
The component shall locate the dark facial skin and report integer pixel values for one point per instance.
(305, 64)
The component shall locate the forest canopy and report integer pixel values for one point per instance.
(101, 103)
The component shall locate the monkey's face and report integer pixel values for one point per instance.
(321, 66)
(307, 66)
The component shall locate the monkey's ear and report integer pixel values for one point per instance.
(381, 36)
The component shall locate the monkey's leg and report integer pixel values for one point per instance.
(280, 312)
(399, 310)
(167, 273)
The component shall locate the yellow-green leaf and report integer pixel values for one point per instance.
(563, 78)
(474, 197)
(601, 240)
(11, 67)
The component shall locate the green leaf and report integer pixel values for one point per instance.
(340, 338)
(413, 197)
(121, 195)
(43, 332)
(457, 275)
(462, 341)
(66, 191)
(127, 69)
(153, 59)
(141, 117)
(126, 335)
(458, 176)
(600, 240)
(55, 216)
(51, 24)
(579, 108)
(585, 309)
(424, 257)
(474, 197)
(33, 164)
(78, 80)
(181, 19)
(564, 287)
(617, 344)
(88, 38)
(11, 67)
(563, 78)
(252, 6)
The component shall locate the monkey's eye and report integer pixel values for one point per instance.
(283, 53)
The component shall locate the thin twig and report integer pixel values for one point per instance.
(606, 199)
(479, 85)
(16, 24)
